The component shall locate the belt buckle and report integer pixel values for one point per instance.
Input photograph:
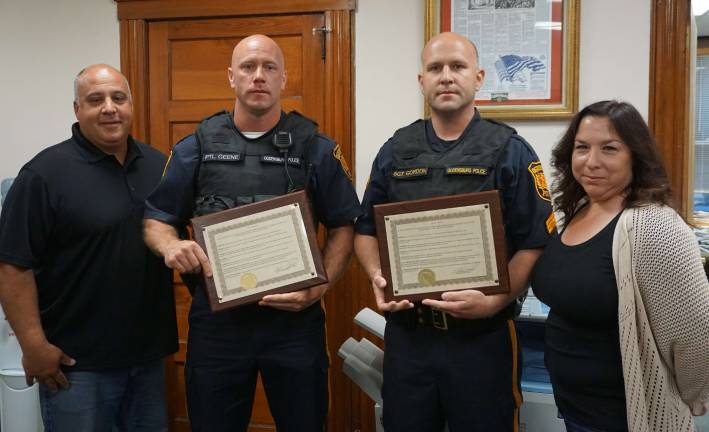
(439, 320)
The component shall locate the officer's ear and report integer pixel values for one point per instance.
(479, 78)
(230, 74)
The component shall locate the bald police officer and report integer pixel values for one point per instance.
(455, 360)
(229, 161)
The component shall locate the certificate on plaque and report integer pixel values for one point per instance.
(257, 249)
(430, 246)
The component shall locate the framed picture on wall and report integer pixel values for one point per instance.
(528, 48)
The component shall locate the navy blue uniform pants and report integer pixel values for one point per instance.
(225, 352)
(466, 377)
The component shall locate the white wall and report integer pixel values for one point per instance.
(388, 40)
(44, 44)
(60, 37)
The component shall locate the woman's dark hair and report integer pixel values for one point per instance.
(649, 183)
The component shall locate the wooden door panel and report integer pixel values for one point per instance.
(183, 301)
(175, 384)
(261, 416)
(224, 28)
(180, 409)
(188, 67)
(198, 69)
(158, 84)
(194, 111)
(180, 130)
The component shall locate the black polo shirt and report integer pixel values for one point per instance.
(74, 215)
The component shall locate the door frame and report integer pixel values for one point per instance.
(669, 104)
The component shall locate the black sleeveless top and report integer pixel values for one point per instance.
(582, 350)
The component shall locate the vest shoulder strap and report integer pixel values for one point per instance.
(214, 133)
(410, 140)
(493, 129)
(301, 128)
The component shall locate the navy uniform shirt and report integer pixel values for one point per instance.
(334, 199)
(74, 215)
(526, 208)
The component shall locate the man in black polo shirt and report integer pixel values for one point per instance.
(92, 307)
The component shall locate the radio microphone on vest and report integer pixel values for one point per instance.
(283, 141)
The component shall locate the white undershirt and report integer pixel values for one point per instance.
(253, 135)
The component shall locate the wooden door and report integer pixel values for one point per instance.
(188, 69)
(187, 82)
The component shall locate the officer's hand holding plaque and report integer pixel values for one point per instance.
(435, 245)
(257, 249)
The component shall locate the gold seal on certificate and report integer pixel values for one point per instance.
(442, 244)
(258, 249)
(427, 277)
(248, 281)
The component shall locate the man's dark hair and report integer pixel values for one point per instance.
(649, 183)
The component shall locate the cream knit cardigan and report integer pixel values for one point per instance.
(663, 318)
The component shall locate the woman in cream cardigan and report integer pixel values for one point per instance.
(627, 339)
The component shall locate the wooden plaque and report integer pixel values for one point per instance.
(257, 249)
(431, 246)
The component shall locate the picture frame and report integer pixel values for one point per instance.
(531, 62)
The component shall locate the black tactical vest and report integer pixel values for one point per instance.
(234, 170)
(468, 165)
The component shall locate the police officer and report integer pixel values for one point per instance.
(455, 360)
(233, 160)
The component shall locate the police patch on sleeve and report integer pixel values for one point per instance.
(540, 182)
(551, 223)
(337, 154)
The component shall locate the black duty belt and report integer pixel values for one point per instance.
(424, 316)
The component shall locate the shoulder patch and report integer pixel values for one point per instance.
(540, 182)
(551, 223)
(337, 154)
